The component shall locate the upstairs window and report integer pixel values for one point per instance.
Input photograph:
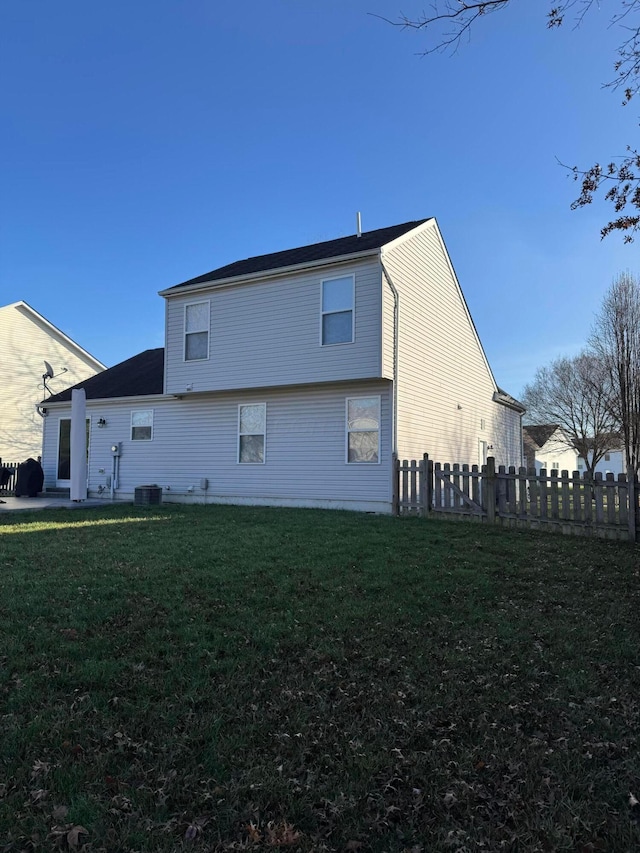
(142, 425)
(196, 331)
(337, 311)
(363, 429)
(252, 429)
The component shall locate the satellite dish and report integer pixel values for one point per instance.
(49, 371)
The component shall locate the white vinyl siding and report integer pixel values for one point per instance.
(556, 453)
(196, 331)
(25, 341)
(197, 437)
(337, 310)
(142, 425)
(266, 334)
(252, 432)
(363, 429)
(445, 386)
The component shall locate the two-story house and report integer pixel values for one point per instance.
(293, 378)
(548, 446)
(27, 341)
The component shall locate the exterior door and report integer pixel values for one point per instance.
(63, 473)
(482, 452)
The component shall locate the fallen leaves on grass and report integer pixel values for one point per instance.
(67, 836)
(195, 828)
(274, 834)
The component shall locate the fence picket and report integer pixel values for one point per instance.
(437, 486)
(501, 487)
(576, 489)
(610, 497)
(544, 494)
(553, 495)
(475, 484)
(565, 498)
(598, 495)
(405, 483)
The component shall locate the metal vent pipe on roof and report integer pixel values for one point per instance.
(358, 224)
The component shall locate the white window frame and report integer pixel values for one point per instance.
(207, 329)
(353, 309)
(263, 434)
(139, 412)
(348, 431)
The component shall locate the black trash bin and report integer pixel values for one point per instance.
(29, 479)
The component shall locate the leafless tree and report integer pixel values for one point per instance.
(575, 394)
(451, 22)
(616, 341)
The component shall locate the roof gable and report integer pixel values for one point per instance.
(541, 433)
(331, 249)
(27, 311)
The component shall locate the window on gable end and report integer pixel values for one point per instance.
(337, 309)
(196, 331)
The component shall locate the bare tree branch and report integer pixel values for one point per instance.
(619, 181)
(574, 393)
(616, 341)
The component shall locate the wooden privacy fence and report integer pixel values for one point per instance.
(8, 474)
(571, 503)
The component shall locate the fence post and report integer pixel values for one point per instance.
(395, 477)
(490, 489)
(632, 500)
(426, 485)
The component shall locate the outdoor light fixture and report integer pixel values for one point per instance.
(101, 423)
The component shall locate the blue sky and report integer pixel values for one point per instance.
(145, 143)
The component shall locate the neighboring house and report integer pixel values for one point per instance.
(26, 341)
(548, 446)
(614, 460)
(292, 378)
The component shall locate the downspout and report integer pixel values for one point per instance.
(396, 321)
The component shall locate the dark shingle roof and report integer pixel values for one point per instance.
(368, 240)
(540, 433)
(141, 375)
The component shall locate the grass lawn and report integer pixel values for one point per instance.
(234, 678)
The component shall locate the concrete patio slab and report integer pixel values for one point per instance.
(13, 504)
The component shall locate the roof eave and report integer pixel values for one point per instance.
(509, 402)
(58, 404)
(178, 289)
